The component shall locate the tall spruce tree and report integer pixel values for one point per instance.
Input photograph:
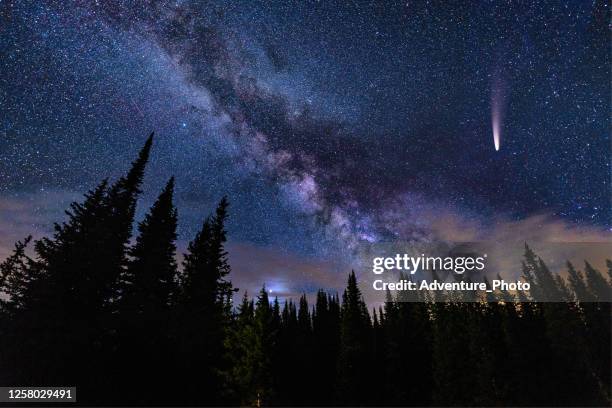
(406, 353)
(597, 284)
(304, 353)
(150, 280)
(204, 305)
(598, 325)
(62, 307)
(455, 367)
(577, 284)
(326, 329)
(148, 286)
(243, 359)
(286, 385)
(355, 346)
(276, 354)
(121, 202)
(15, 278)
(263, 392)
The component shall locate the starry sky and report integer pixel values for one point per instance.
(331, 126)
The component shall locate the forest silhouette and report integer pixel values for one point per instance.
(122, 321)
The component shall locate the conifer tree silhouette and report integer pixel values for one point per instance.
(15, 278)
(121, 204)
(286, 349)
(263, 391)
(304, 353)
(326, 330)
(150, 279)
(242, 341)
(354, 357)
(147, 289)
(598, 326)
(63, 303)
(577, 284)
(204, 309)
(597, 284)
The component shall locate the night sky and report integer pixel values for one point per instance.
(330, 126)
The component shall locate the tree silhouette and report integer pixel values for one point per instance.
(355, 347)
(144, 308)
(15, 279)
(325, 346)
(204, 310)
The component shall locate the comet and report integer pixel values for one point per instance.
(497, 111)
(496, 119)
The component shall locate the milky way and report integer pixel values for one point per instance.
(329, 126)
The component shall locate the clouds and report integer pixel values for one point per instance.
(31, 214)
(285, 274)
(554, 240)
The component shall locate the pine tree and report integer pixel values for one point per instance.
(454, 364)
(150, 280)
(304, 354)
(263, 392)
(596, 284)
(304, 323)
(65, 262)
(276, 351)
(544, 287)
(355, 347)
(578, 284)
(15, 278)
(121, 203)
(144, 307)
(287, 387)
(204, 309)
(598, 325)
(253, 345)
(62, 306)
(244, 360)
(325, 343)
(565, 335)
(378, 355)
(488, 345)
(206, 266)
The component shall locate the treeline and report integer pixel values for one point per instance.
(121, 321)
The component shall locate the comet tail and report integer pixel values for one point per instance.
(496, 128)
(497, 111)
